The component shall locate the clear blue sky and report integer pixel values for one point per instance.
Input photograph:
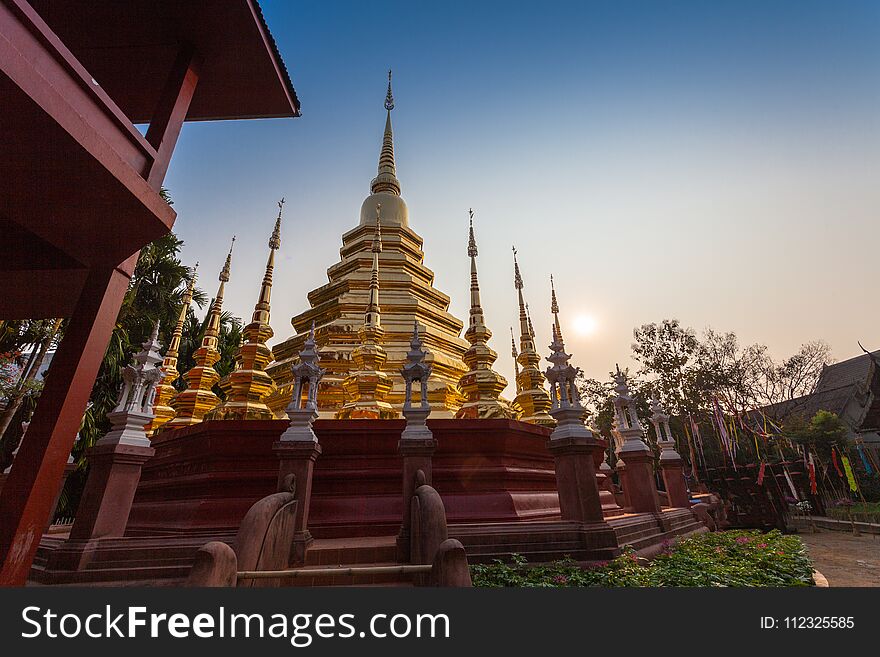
(714, 162)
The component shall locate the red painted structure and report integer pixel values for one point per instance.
(80, 194)
(497, 478)
(207, 476)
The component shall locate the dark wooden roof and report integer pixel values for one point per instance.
(838, 385)
(129, 46)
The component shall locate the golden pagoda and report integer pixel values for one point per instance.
(165, 391)
(191, 404)
(247, 387)
(481, 385)
(408, 295)
(367, 386)
(531, 395)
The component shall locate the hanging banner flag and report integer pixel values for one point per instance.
(761, 473)
(698, 438)
(834, 460)
(722, 432)
(868, 469)
(811, 468)
(849, 474)
(790, 483)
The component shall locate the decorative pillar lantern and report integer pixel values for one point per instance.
(574, 447)
(416, 444)
(298, 448)
(117, 458)
(637, 457)
(670, 460)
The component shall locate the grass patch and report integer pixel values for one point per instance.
(731, 558)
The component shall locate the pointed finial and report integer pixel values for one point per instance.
(377, 237)
(472, 242)
(513, 345)
(554, 308)
(275, 239)
(191, 286)
(529, 317)
(416, 342)
(517, 277)
(389, 98)
(224, 273)
(312, 332)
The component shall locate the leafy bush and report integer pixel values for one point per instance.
(733, 558)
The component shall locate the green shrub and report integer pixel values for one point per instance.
(733, 558)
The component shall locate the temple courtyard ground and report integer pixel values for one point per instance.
(844, 559)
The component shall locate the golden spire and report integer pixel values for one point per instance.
(554, 308)
(481, 385)
(476, 317)
(386, 179)
(247, 387)
(373, 314)
(531, 396)
(367, 386)
(191, 404)
(515, 355)
(166, 391)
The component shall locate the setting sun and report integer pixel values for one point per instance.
(585, 324)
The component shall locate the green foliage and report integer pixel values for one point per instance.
(732, 558)
(823, 431)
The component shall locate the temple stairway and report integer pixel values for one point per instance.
(166, 560)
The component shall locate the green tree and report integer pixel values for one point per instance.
(824, 431)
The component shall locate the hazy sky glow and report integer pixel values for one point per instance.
(716, 164)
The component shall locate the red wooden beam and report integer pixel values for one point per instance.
(35, 479)
(171, 113)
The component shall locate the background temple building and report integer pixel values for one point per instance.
(406, 294)
(851, 390)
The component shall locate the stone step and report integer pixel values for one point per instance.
(352, 552)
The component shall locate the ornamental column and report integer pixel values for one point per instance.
(638, 458)
(117, 458)
(298, 448)
(671, 463)
(416, 444)
(574, 447)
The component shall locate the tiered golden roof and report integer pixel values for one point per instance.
(190, 405)
(165, 391)
(367, 386)
(531, 395)
(408, 295)
(247, 387)
(481, 385)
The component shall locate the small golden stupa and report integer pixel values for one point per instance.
(531, 396)
(191, 405)
(367, 386)
(248, 385)
(165, 391)
(481, 385)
